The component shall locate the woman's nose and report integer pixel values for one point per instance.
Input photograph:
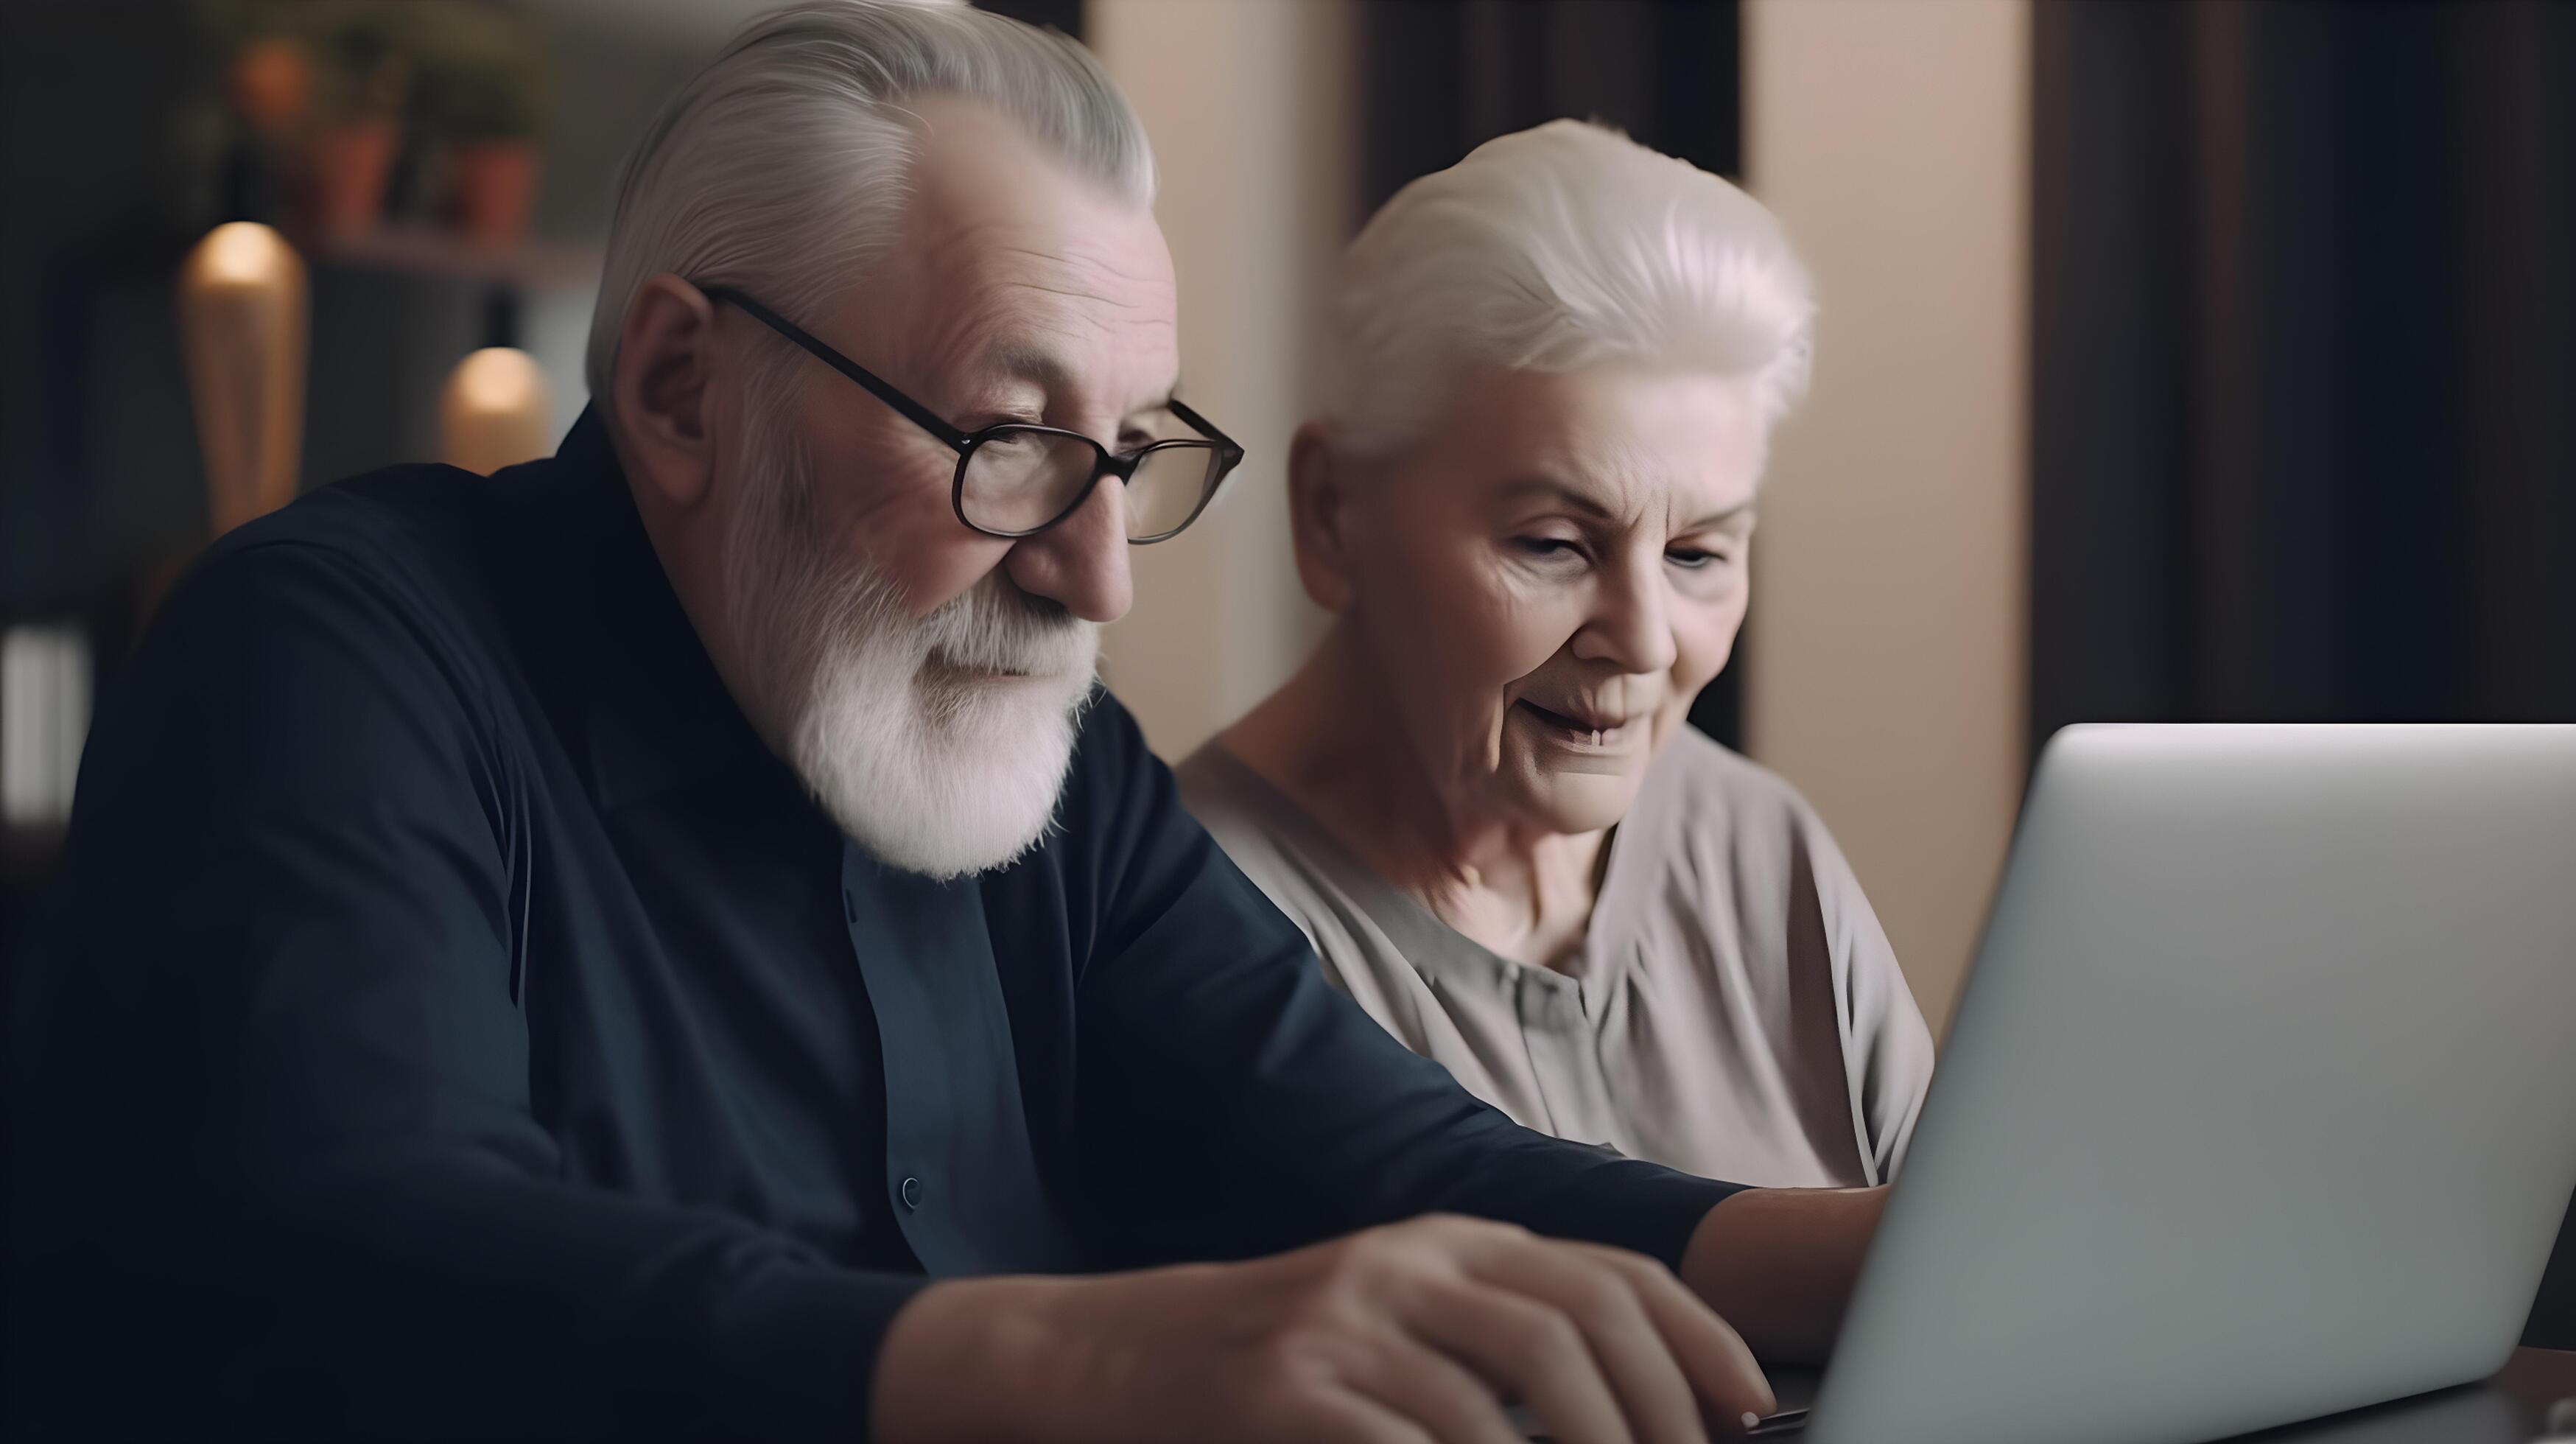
(1631, 625)
(1081, 562)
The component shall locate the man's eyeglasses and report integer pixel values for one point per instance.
(1015, 479)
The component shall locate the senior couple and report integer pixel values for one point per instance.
(669, 941)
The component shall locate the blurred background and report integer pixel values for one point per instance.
(2176, 361)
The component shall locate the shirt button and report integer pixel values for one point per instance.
(849, 905)
(911, 1193)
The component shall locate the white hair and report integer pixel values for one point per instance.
(783, 166)
(931, 772)
(1557, 249)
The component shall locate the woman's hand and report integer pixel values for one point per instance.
(1407, 1334)
(1780, 1264)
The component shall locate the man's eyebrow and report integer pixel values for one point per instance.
(1030, 362)
(1045, 369)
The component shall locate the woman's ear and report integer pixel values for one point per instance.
(660, 383)
(1319, 517)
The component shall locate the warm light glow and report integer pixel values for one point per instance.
(241, 253)
(494, 411)
(242, 322)
(497, 378)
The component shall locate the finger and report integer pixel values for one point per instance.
(1526, 1348)
(1721, 1369)
(1339, 1417)
(1604, 1302)
(1433, 1393)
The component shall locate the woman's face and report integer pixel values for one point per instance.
(1545, 584)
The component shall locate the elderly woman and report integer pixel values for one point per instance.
(1530, 511)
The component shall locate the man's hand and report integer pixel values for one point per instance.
(1408, 1334)
(1781, 1263)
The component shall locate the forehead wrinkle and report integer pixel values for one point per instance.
(1033, 306)
(1019, 244)
(1089, 311)
(1040, 348)
(968, 260)
(1079, 257)
(1132, 332)
(1014, 290)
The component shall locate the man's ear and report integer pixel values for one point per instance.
(664, 356)
(1319, 519)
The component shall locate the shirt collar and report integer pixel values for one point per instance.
(654, 713)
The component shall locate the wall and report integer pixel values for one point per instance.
(1889, 618)
(1253, 119)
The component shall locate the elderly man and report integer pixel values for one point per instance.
(668, 941)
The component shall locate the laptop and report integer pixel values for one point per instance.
(2261, 1101)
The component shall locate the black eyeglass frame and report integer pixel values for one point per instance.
(1229, 454)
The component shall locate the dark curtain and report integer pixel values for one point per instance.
(2305, 363)
(2304, 371)
(1440, 77)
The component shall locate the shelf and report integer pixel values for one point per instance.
(424, 251)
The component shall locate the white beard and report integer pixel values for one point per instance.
(896, 726)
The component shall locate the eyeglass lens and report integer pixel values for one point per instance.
(1017, 481)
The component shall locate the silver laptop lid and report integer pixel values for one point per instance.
(2261, 1102)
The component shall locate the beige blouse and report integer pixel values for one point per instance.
(1735, 1010)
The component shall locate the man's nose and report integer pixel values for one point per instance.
(1081, 562)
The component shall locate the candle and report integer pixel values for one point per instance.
(242, 327)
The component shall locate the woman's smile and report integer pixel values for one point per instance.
(1580, 729)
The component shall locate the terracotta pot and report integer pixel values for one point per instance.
(495, 188)
(351, 164)
(271, 82)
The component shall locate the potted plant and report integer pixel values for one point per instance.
(487, 93)
(359, 94)
(270, 86)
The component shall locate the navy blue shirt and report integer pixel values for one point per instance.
(467, 1027)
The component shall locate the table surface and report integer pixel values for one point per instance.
(2507, 1409)
(2510, 1408)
